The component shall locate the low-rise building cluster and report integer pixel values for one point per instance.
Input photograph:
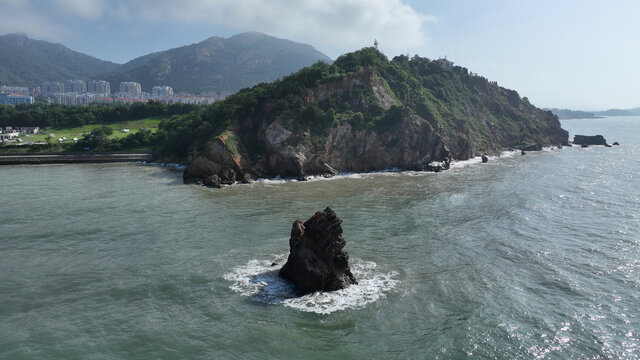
(11, 134)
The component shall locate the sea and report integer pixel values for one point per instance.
(532, 256)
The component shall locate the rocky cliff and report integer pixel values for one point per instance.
(363, 113)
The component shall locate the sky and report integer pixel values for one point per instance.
(577, 54)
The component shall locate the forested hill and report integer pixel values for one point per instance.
(29, 62)
(218, 64)
(364, 112)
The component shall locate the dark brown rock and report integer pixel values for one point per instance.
(316, 260)
(589, 140)
(217, 165)
(532, 147)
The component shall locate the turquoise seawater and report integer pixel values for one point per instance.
(524, 257)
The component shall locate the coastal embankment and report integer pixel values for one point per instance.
(67, 158)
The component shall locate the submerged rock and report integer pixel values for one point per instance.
(589, 140)
(485, 158)
(616, 143)
(316, 259)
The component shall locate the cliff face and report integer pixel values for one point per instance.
(405, 114)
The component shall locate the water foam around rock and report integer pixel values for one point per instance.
(259, 280)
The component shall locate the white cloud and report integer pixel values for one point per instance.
(89, 9)
(22, 16)
(334, 26)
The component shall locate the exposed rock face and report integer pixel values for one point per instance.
(589, 140)
(316, 259)
(217, 166)
(532, 147)
(412, 142)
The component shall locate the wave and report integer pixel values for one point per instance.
(259, 280)
(176, 166)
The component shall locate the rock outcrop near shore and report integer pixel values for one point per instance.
(589, 140)
(316, 260)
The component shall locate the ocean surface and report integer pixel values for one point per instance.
(524, 257)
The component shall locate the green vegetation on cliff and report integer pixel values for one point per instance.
(373, 94)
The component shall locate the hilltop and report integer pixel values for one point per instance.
(29, 62)
(362, 113)
(216, 64)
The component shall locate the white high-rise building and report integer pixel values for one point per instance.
(52, 87)
(162, 91)
(76, 86)
(99, 87)
(130, 87)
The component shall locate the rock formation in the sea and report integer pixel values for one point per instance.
(532, 147)
(485, 158)
(589, 140)
(615, 143)
(316, 259)
(362, 113)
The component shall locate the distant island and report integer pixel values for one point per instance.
(566, 114)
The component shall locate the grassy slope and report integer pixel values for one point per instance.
(78, 132)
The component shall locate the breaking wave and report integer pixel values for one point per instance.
(259, 280)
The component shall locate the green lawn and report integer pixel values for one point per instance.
(134, 126)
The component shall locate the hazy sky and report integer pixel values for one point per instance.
(578, 54)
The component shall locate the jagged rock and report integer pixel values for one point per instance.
(212, 181)
(532, 147)
(318, 167)
(217, 165)
(247, 179)
(316, 259)
(589, 140)
(485, 158)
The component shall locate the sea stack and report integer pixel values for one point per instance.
(316, 260)
(589, 140)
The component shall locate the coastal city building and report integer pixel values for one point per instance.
(79, 92)
(15, 99)
(75, 86)
(130, 87)
(99, 87)
(162, 91)
(51, 87)
(14, 90)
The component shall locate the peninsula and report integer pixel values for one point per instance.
(362, 113)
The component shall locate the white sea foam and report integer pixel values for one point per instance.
(176, 166)
(260, 281)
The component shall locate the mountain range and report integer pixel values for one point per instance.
(579, 114)
(215, 64)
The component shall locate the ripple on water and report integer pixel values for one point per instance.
(259, 280)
